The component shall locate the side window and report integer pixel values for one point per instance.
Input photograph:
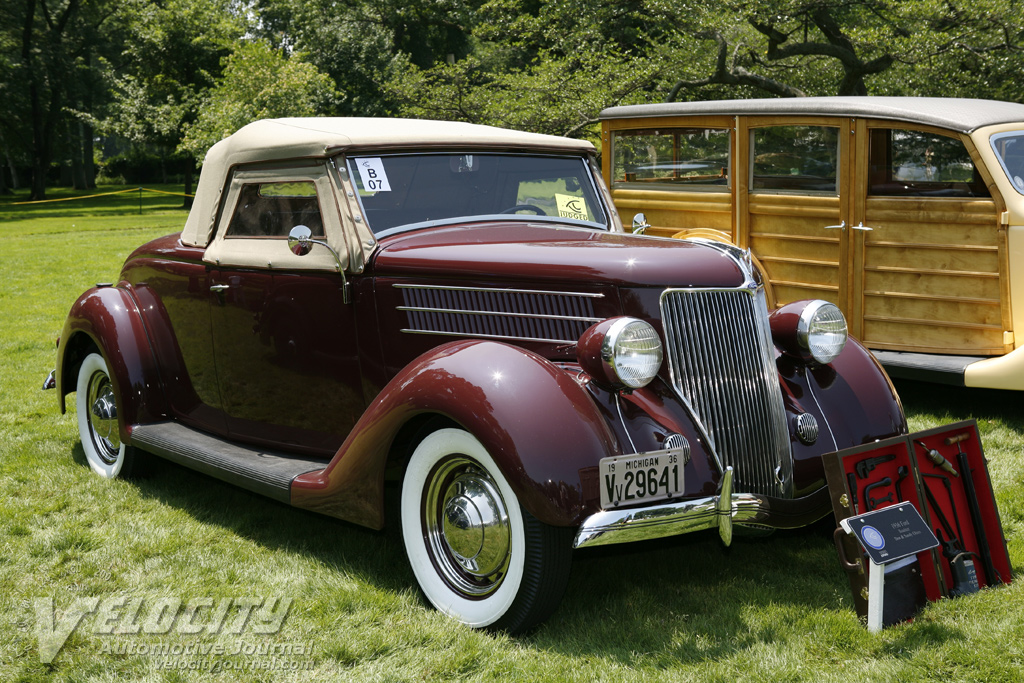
(1010, 149)
(679, 157)
(795, 158)
(273, 209)
(910, 163)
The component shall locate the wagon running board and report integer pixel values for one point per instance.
(258, 470)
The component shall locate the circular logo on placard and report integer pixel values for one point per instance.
(872, 537)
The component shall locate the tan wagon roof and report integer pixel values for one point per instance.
(962, 115)
(294, 138)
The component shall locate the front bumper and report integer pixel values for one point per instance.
(682, 517)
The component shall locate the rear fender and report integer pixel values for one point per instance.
(107, 319)
(538, 424)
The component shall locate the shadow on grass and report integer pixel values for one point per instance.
(364, 554)
(961, 403)
(679, 600)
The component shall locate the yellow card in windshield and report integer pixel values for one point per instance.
(572, 207)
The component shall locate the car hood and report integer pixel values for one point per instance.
(537, 251)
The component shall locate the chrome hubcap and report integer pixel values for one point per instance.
(103, 418)
(466, 527)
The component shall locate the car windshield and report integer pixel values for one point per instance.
(405, 191)
(1009, 147)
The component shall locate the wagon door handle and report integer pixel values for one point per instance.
(841, 226)
(861, 226)
(221, 288)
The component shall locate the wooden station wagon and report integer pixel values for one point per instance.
(908, 213)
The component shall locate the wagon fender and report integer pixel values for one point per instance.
(540, 426)
(109, 317)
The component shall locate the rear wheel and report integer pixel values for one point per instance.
(98, 423)
(477, 554)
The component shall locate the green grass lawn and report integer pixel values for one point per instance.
(767, 609)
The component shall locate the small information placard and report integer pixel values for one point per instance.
(892, 533)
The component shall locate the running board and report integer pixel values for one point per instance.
(261, 471)
(926, 367)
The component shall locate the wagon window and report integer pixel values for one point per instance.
(273, 209)
(910, 163)
(1009, 147)
(795, 158)
(677, 157)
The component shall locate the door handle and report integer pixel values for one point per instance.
(861, 226)
(221, 288)
(841, 226)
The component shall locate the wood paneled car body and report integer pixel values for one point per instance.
(908, 213)
(455, 311)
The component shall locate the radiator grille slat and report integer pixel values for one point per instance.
(722, 364)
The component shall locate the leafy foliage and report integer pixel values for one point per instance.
(144, 69)
(258, 82)
(172, 54)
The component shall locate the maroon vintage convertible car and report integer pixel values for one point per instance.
(455, 310)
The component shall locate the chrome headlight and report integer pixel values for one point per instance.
(821, 331)
(809, 330)
(621, 352)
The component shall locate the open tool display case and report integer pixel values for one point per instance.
(943, 473)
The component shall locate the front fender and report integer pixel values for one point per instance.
(537, 423)
(108, 319)
(853, 401)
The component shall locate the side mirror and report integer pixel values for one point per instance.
(300, 240)
(640, 224)
(300, 243)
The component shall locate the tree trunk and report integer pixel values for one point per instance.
(88, 152)
(74, 133)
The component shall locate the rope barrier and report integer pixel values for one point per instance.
(140, 190)
(68, 199)
(176, 194)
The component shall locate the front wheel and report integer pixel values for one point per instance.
(98, 424)
(477, 554)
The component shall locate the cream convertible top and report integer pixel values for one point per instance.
(311, 138)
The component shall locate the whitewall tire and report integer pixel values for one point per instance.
(478, 556)
(98, 422)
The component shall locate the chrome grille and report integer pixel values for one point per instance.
(722, 363)
(512, 314)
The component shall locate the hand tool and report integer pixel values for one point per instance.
(961, 566)
(867, 464)
(937, 458)
(991, 575)
(903, 471)
(873, 503)
(870, 502)
(952, 501)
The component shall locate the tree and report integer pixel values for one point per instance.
(258, 82)
(814, 47)
(172, 55)
(55, 39)
(363, 45)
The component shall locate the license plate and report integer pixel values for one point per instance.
(639, 478)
